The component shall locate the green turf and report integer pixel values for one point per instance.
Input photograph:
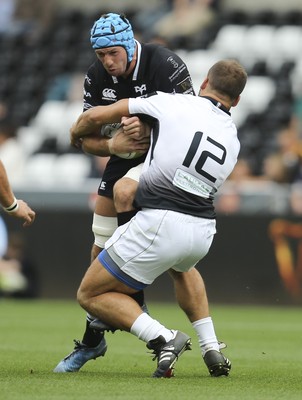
(264, 345)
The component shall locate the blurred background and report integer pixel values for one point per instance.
(44, 54)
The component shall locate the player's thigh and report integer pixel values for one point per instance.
(105, 206)
(97, 280)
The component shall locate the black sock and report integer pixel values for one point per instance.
(124, 217)
(139, 297)
(91, 337)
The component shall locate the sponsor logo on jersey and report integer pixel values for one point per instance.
(177, 72)
(87, 94)
(173, 62)
(87, 80)
(86, 105)
(191, 184)
(140, 89)
(109, 94)
(102, 186)
(185, 86)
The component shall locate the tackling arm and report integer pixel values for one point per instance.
(91, 120)
(133, 135)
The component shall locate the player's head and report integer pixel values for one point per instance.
(113, 30)
(226, 79)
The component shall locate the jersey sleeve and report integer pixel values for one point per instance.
(172, 73)
(152, 105)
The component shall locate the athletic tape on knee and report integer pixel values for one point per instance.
(103, 228)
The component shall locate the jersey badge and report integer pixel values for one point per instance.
(140, 89)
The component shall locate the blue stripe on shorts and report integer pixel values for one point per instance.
(114, 270)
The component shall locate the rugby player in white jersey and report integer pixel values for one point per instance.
(194, 148)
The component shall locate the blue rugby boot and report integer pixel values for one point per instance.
(80, 355)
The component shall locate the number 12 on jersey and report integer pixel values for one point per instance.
(192, 184)
(204, 155)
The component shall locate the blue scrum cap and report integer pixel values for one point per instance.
(113, 30)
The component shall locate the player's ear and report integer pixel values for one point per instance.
(204, 84)
(236, 101)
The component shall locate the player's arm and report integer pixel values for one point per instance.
(6, 194)
(14, 207)
(91, 121)
(85, 132)
(120, 142)
(172, 74)
(95, 145)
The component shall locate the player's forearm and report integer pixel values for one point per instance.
(96, 145)
(90, 121)
(85, 125)
(6, 194)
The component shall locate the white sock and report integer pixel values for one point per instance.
(206, 335)
(147, 328)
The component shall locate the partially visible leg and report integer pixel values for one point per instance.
(191, 295)
(103, 225)
(123, 194)
(104, 296)
(93, 343)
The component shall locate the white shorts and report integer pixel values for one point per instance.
(155, 241)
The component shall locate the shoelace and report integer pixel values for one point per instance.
(77, 344)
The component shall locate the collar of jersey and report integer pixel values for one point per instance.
(217, 104)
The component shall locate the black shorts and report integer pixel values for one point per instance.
(115, 169)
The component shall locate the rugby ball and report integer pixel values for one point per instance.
(134, 154)
(109, 131)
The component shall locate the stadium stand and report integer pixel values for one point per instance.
(268, 43)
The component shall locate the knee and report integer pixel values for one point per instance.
(124, 192)
(82, 298)
(102, 228)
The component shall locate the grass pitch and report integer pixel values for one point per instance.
(264, 345)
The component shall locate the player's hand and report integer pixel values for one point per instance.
(94, 144)
(74, 140)
(135, 128)
(24, 212)
(123, 143)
